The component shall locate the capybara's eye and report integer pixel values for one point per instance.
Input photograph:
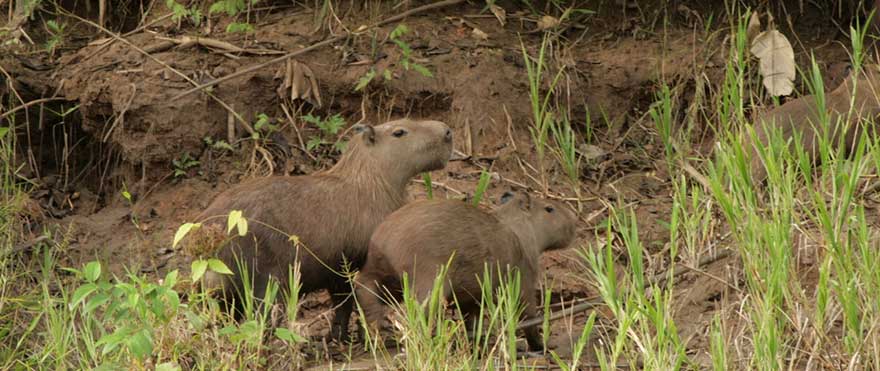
(398, 133)
(549, 209)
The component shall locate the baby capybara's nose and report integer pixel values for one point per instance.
(448, 135)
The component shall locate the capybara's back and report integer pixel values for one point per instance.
(847, 108)
(424, 235)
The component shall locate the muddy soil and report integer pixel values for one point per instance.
(131, 134)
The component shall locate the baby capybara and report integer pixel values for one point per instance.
(801, 116)
(333, 212)
(423, 235)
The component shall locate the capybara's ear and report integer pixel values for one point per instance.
(507, 196)
(367, 131)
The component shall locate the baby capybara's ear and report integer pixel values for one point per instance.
(367, 131)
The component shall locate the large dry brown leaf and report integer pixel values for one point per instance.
(299, 83)
(776, 61)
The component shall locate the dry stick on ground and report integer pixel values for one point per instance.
(241, 120)
(439, 4)
(593, 301)
(106, 43)
(28, 104)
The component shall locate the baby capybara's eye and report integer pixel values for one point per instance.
(399, 133)
(549, 209)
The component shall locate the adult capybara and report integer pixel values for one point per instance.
(801, 116)
(333, 212)
(423, 235)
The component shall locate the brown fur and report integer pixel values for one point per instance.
(423, 235)
(800, 115)
(333, 212)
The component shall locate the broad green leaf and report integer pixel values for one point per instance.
(110, 341)
(170, 279)
(218, 266)
(198, 269)
(228, 330)
(232, 220)
(183, 230)
(140, 344)
(92, 271)
(242, 227)
(96, 301)
(81, 294)
(3, 132)
(289, 336)
(173, 301)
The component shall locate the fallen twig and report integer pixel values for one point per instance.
(318, 45)
(190, 41)
(28, 104)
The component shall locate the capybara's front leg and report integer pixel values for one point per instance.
(533, 336)
(367, 293)
(344, 303)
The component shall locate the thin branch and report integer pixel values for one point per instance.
(28, 104)
(326, 42)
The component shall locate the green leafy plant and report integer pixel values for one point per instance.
(179, 12)
(263, 127)
(128, 198)
(405, 61)
(56, 35)
(218, 144)
(329, 129)
(182, 164)
(232, 8)
(132, 309)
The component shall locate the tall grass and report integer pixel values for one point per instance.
(542, 116)
(643, 310)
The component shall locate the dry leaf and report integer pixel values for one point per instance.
(499, 13)
(754, 27)
(479, 34)
(776, 61)
(299, 83)
(547, 22)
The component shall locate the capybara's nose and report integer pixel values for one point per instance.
(448, 135)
